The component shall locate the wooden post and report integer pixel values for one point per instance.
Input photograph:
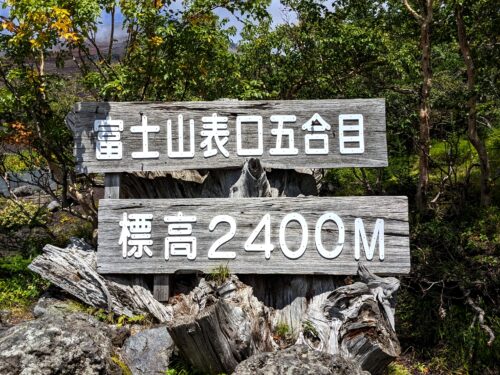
(112, 185)
(161, 287)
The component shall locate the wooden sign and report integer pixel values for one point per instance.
(254, 235)
(140, 136)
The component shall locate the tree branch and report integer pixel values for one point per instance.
(417, 16)
(480, 316)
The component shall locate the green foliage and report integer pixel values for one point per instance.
(20, 213)
(354, 49)
(19, 287)
(282, 330)
(452, 256)
(110, 317)
(64, 226)
(309, 329)
(135, 319)
(397, 369)
(179, 366)
(219, 274)
(20, 162)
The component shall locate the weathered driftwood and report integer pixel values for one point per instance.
(216, 326)
(219, 183)
(355, 321)
(74, 270)
(290, 296)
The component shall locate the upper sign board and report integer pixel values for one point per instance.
(141, 136)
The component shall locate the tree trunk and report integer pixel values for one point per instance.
(425, 22)
(472, 132)
(424, 112)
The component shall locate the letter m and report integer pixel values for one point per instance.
(360, 236)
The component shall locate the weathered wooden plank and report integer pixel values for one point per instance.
(112, 185)
(161, 287)
(333, 112)
(247, 213)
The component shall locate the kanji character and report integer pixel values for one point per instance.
(181, 153)
(136, 232)
(215, 130)
(279, 132)
(180, 242)
(145, 130)
(108, 145)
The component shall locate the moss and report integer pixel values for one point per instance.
(122, 365)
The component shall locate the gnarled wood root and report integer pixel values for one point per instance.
(74, 270)
(356, 321)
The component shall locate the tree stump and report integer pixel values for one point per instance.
(356, 321)
(216, 326)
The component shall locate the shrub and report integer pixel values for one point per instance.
(17, 214)
(19, 287)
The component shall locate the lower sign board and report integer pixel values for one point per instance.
(308, 235)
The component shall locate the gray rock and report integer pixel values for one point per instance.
(52, 302)
(297, 360)
(25, 190)
(148, 352)
(76, 243)
(53, 206)
(57, 302)
(57, 344)
(4, 324)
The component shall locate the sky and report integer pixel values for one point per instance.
(278, 13)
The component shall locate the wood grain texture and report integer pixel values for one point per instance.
(82, 118)
(74, 270)
(216, 326)
(112, 185)
(161, 287)
(248, 212)
(355, 321)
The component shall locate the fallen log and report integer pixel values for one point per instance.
(73, 269)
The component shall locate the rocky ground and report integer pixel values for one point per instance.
(64, 339)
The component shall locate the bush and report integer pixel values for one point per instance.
(17, 214)
(19, 287)
(453, 256)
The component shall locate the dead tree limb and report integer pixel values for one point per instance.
(74, 270)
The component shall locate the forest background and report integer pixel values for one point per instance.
(436, 62)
